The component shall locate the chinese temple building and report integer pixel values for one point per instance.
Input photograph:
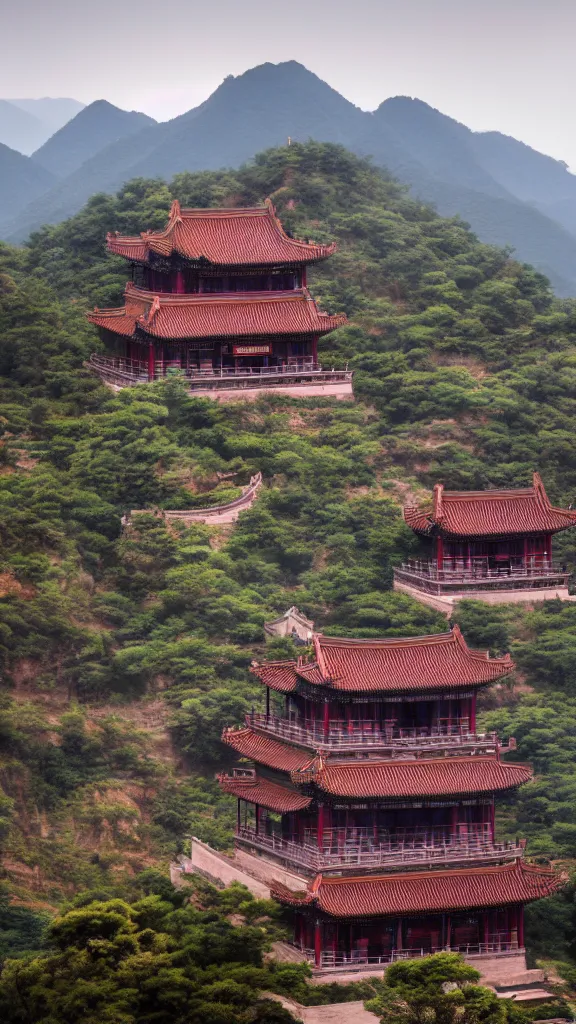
(368, 804)
(493, 546)
(220, 297)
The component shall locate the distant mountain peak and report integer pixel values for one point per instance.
(93, 128)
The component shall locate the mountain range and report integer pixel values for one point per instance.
(26, 124)
(509, 193)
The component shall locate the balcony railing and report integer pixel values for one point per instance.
(351, 736)
(127, 372)
(458, 574)
(357, 958)
(349, 848)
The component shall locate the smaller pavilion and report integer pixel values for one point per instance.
(493, 546)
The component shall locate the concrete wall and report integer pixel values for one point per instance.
(339, 390)
(268, 871)
(221, 869)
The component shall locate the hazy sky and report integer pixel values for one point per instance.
(498, 64)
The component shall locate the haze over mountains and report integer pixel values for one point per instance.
(26, 124)
(508, 192)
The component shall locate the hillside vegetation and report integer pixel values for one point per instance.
(126, 652)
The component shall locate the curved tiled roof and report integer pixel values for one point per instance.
(455, 776)
(489, 513)
(271, 795)
(217, 315)
(225, 237)
(442, 661)
(265, 750)
(424, 892)
(278, 675)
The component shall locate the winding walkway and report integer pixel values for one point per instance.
(217, 515)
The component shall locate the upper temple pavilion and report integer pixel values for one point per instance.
(219, 296)
(493, 546)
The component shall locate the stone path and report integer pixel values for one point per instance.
(334, 1013)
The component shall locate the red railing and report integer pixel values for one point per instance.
(121, 371)
(344, 735)
(529, 573)
(358, 958)
(348, 848)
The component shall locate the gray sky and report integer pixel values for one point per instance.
(493, 64)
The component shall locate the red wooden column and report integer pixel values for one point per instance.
(548, 543)
(439, 552)
(525, 552)
(486, 928)
(399, 934)
(179, 283)
(473, 712)
(349, 718)
(448, 936)
(315, 349)
(513, 927)
(320, 826)
(318, 944)
(151, 361)
(521, 926)
(326, 719)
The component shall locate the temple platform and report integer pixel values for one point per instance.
(229, 385)
(445, 602)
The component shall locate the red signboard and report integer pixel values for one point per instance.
(252, 350)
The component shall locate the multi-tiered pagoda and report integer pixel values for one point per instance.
(220, 297)
(372, 798)
(488, 545)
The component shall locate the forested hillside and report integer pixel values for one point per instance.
(125, 652)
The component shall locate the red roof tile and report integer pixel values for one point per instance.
(278, 675)
(489, 513)
(271, 795)
(225, 237)
(455, 776)
(228, 315)
(265, 750)
(442, 661)
(424, 892)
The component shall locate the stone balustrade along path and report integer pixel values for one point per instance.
(217, 515)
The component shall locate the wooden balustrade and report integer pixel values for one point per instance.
(344, 735)
(359, 958)
(522, 573)
(125, 372)
(344, 848)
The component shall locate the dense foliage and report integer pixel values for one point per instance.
(443, 989)
(157, 954)
(464, 371)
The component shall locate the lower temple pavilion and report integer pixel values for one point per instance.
(373, 786)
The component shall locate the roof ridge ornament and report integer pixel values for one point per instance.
(175, 212)
(320, 660)
(438, 494)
